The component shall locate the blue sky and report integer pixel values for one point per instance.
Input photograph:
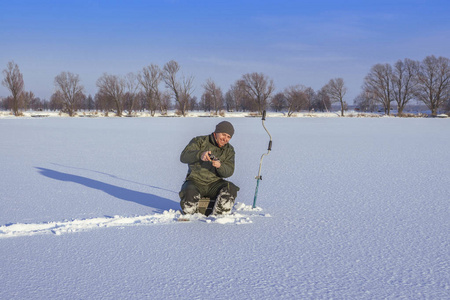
(293, 42)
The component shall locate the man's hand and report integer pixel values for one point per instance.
(216, 163)
(206, 156)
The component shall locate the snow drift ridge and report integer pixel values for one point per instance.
(167, 217)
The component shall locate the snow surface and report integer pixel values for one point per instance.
(348, 208)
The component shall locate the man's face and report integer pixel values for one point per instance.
(222, 139)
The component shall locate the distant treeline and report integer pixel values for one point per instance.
(160, 89)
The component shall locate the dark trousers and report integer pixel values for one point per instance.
(191, 192)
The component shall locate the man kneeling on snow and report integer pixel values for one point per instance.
(210, 159)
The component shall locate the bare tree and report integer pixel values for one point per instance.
(296, 98)
(103, 103)
(378, 85)
(205, 102)
(322, 101)
(214, 94)
(130, 96)
(433, 86)
(112, 88)
(187, 89)
(27, 99)
(258, 88)
(238, 95)
(71, 91)
(403, 82)
(278, 102)
(364, 102)
(165, 102)
(150, 78)
(310, 97)
(229, 101)
(336, 90)
(13, 81)
(89, 104)
(56, 101)
(34, 103)
(181, 89)
(193, 103)
(30, 101)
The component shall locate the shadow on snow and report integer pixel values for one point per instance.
(146, 199)
(116, 177)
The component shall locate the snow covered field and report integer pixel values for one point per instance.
(349, 208)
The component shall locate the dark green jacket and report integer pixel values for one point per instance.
(203, 172)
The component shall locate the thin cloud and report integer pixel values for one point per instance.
(236, 64)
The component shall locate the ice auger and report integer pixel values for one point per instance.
(269, 148)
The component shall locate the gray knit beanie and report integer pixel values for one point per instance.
(225, 127)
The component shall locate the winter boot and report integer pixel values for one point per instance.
(224, 202)
(189, 207)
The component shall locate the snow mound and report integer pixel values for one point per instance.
(242, 207)
(233, 218)
(167, 217)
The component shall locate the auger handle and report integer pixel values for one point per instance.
(269, 148)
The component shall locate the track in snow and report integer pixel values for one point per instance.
(242, 214)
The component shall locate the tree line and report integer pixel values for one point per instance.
(427, 81)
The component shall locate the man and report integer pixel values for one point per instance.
(210, 159)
